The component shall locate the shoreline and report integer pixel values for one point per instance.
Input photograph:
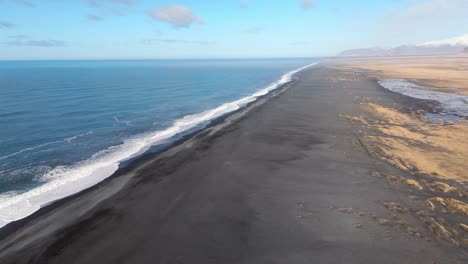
(148, 156)
(161, 140)
(279, 180)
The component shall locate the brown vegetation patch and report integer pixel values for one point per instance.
(448, 204)
(433, 153)
(347, 210)
(412, 183)
(398, 224)
(342, 77)
(441, 73)
(464, 241)
(357, 119)
(416, 146)
(394, 207)
(393, 178)
(437, 228)
(443, 187)
(464, 227)
(381, 221)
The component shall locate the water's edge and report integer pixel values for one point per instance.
(149, 153)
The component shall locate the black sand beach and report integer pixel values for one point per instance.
(283, 181)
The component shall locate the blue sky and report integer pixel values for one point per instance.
(92, 29)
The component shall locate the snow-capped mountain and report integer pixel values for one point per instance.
(460, 41)
(445, 46)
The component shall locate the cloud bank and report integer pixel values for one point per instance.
(176, 15)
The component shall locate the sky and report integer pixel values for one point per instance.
(151, 29)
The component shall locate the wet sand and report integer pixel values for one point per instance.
(285, 180)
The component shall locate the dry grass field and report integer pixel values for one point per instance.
(434, 153)
(442, 73)
(407, 140)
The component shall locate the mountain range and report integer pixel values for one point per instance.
(445, 46)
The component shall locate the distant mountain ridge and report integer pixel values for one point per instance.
(460, 41)
(445, 46)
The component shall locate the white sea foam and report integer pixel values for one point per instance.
(44, 145)
(70, 139)
(64, 181)
(28, 149)
(118, 121)
(454, 103)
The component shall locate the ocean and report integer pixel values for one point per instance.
(67, 125)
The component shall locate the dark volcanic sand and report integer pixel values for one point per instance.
(282, 183)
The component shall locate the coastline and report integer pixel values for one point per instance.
(126, 166)
(220, 196)
(90, 172)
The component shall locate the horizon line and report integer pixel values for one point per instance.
(130, 59)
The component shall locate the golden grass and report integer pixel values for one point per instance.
(405, 140)
(449, 204)
(442, 73)
(436, 153)
(417, 146)
(444, 187)
(397, 179)
(464, 227)
(437, 228)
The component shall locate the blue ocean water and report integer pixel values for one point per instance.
(66, 125)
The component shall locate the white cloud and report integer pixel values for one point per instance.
(176, 15)
(308, 4)
(6, 24)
